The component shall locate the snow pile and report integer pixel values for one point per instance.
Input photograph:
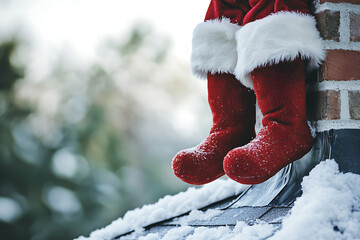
(258, 231)
(329, 209)
(167, 207)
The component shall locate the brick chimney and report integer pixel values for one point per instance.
(338, 98)
(334, 94)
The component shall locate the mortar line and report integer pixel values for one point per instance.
(344, 105)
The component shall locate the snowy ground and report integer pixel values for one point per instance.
(329, 209)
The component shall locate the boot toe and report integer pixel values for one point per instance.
(242, 167)
(195, 168)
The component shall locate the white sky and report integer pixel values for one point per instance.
(80, 25)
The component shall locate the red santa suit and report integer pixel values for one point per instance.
(267, 46)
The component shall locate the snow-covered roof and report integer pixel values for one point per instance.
(329, 208)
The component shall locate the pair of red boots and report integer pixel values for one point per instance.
(231, 147)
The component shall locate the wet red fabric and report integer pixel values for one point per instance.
(232, 9)
(245, 11)
(285, 137)
(263, 8)
(233, 110)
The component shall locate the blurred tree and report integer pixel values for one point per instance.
(8, 73)
(83, 146)
(48, 190)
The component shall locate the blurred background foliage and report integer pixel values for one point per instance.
(88, 142)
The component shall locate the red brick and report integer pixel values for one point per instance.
(341, 65)
(324, 105)
(328, 24)
(341, 1)
(354, 104)
(355, 27)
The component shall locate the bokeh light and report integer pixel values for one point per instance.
(96, 97)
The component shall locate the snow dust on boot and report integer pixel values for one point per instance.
(285, 137)
(233, 109)
(276, 39)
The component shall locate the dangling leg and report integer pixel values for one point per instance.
(233, 109)
(285, 136)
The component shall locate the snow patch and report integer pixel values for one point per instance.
(174, 234)
(204, 233)
(167, 207)
(327, 125)
(241, 231)
(151, 236)
(197, 215)
(329, 209)
(312, 129)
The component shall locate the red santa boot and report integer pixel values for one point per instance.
(285, 136)
(232, 107)
(275, 39)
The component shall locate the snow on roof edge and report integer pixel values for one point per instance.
(329, 209)
(167, 207)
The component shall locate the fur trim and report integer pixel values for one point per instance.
(282, 36)
(214, 47)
